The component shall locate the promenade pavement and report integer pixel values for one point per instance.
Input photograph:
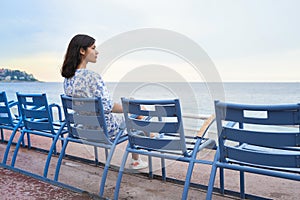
(135, 185)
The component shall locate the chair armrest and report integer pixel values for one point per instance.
(58, 109)
(12, 103)
(207, 123)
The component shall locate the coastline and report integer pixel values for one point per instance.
(18, 81)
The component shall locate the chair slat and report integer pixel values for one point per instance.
(3, 97)
(83, 116)
(37, 114)
(284, 117)
(282, 159)
(159, 127)
(39, 126)
(159, 116)
(87, 120)
(260, 138)
(159, 144)
(3, 109)
(5, 114)
(90, 135)
(5, 120)
(86, 107)
(37, 100)
(160, 111)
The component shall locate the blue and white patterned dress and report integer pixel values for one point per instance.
(86, 83)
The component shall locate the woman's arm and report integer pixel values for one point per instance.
(117, 108)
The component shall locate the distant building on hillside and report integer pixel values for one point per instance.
(15, 75)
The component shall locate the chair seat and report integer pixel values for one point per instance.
(271, 151)
(249, 142)
(9, 121)
(205, 143)
(155, 129)
(37, 117)
(86, 124)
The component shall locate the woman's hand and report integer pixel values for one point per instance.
(117, 108)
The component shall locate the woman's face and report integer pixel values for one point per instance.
(90, 55)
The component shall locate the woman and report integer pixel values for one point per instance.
(81, 82)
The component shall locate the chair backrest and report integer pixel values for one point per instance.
(265, 135)
(85, 119)
(154, 124)
(35, 112)
(5, 114)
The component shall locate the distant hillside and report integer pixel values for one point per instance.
(15, 75)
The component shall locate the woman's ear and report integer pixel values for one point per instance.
(82, 51)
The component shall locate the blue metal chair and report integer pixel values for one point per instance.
(86, 124)
(159, 132)
(38, 119)
(260, 139)
(8, 121)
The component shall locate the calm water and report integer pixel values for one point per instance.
(195, 97)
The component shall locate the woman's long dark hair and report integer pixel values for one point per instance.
(73, 56)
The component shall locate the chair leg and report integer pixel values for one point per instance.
(188, 179)
(61, 155)
(28, 140)
(105, 170)
(150, 167)
(211, 182)
(242, 184)
(23, 143)
(106, 153)
(51, 151)
(2, 135)
(163, 169)
(54, 151)
(62, 142)
(96, 155)
(21, 138)
(190, 169)
(12, 136)
(212, 177)
(222, 187)
(116, 195)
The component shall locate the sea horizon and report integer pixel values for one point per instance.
(244, 92)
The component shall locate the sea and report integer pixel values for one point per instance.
(195, 98)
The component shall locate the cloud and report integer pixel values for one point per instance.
(235, 34)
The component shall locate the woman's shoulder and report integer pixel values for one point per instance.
(87, 72)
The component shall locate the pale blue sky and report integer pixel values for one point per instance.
(248, 40)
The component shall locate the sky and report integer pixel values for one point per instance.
(247, 40)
